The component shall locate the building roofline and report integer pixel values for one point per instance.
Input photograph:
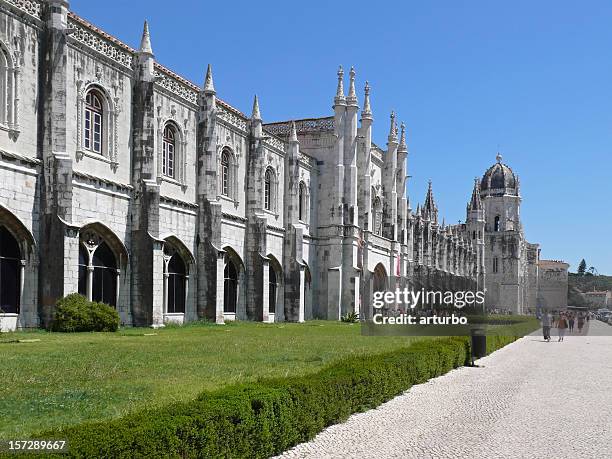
(126, 47)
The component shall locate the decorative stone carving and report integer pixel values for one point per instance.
(31, 7)
(176, 87)
(91, 239)
(100, 44)
(275, 143)
(231, 118)
(309, 125)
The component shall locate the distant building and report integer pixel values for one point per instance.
(552, 284)
(602, 299)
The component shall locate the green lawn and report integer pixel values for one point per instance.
(71, 378)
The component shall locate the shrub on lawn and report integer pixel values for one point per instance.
(74, 313)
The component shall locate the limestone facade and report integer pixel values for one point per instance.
(123, 181)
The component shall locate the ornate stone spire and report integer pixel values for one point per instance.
(145, 42)
(430, 207)
(393, 129)
(352, 96)
(208, 81)
(402, 145)
(475, 202)
(366, 113)
(340, 99)
(293, 134)
(256, 115)
(498, 157)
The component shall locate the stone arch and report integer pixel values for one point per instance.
(180, 246)
(102, 257)
(178, 263)
(20, 270)
(380, 278)
(17, 228)
(109, 236)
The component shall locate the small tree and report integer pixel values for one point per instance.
(582, 267)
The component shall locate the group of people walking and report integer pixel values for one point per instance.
(564, 322)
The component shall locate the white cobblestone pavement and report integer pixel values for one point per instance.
(531, 399)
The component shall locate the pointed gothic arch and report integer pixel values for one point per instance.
(10, 272)
(379, 279)
(18, 258)
(176, 275)
(101, 256)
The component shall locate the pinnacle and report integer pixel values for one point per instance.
(256, 115)
(145, 42)
(340, 99)
(208, 81)
(293, 134)
(366, 113)
(352, 96)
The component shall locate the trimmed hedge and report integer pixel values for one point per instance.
(74, 313)
(265, 418)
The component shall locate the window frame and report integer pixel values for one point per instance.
(269, 190)
(107, 125)
(169, 150)
(94, 115)
(226, 174)
(10, 78)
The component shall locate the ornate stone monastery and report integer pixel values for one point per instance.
(133, 186)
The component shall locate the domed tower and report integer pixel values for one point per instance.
(504, 239)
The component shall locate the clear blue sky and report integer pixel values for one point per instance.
(530, 78)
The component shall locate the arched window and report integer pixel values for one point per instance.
(9, 89)
(98, 273)
(380, 279)
(4, 86)
(496, 224)
(303, 202)
(474, 234)
(10, 272)
(176, 291)
(98, 270)
(377, 215)
(225, 173)
(230, 287)
(94, 121)
(268, 189)
(273, 289)
(104, 288)
(169, 151)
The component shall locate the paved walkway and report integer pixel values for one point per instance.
(531, 399)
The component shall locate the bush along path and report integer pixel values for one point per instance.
(270, 416)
